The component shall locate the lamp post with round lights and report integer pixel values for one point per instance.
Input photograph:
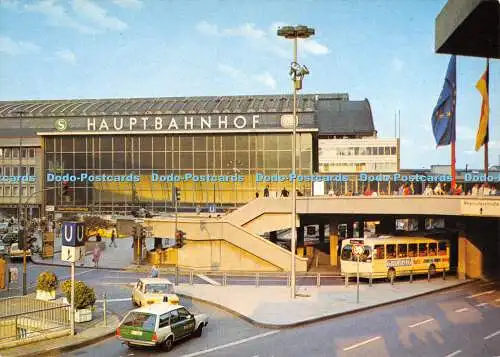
(297, 72)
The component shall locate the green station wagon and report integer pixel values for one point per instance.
(160, 325)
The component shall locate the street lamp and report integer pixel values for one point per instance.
(297, 72)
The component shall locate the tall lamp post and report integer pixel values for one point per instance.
(297, 73)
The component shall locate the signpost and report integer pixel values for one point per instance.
(73, 250)
(357, 251)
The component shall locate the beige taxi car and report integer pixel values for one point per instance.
(150, 291)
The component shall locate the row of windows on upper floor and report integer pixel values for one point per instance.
(332, 167)
(13, 153)
(12, 190)
(353, 151)
(14, 171)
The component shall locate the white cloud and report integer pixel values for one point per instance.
(265, 39)
(494, 144)
(266, 79)
(129, 4)
(397, 64)
(315, 48)
(57, 15)
(98, 15)
(66, 56)
(262, 79)
(12, 47)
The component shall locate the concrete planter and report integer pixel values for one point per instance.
(45, 295)
(83, 315)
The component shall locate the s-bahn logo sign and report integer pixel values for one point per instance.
(173, 123)
(61, 124)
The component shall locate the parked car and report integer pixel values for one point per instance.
(16, 253)
(9, 238)
(160, 325)
(3, 249)
(4, 227)
(149, 291)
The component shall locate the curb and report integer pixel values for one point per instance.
(322, 318)
(71, 347)
(38, 262)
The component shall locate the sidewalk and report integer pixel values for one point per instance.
(272, 307)
(93, 334)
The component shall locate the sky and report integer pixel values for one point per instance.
(382, 50)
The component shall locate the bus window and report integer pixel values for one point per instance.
(422, 250)
(442, 248)
(379, 252)
(402, 250)
(391, 251)
(432, 249)
(347, 252)
(367, 254)
(412, 250)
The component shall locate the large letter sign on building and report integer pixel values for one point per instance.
(73, 243)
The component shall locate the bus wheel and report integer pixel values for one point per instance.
(391, 274)
(432, 270)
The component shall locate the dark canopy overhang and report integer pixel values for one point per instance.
(469, 28)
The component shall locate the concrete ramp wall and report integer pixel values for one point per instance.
(222, 245)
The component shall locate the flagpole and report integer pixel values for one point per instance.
(453, 153)
(487, 124)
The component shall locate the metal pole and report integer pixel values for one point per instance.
(104, 310)
(72, 308)
(294, 186)
(175, 236)
(357, 282)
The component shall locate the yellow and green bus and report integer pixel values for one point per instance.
(391, 256)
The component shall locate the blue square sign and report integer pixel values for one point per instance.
(73, 234)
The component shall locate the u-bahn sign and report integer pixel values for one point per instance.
(73, 234)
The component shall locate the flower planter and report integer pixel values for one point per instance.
(45, 295)
(83, 315)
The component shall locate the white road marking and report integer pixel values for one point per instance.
(362, 343)
(480, 294)
(208, 280)
(231, 344)
(462, 310)
(486, 284)
(482, 304)
(124, 283)
(115, 300)
(492, 335)
(454, 353)
(421, 323)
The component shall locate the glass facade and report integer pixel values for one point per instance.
(243, 154)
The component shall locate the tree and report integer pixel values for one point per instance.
(92, 223)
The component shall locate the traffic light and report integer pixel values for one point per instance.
(180, 236)
(65, 188)
(177, 194)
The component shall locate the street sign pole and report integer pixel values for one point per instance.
(357, 281)
(72, 308)
(175, 236)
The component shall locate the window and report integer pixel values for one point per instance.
(15, 153)
(442, 248)
(32, 190)
(6, 153)
(346, 252)
(402, 250)
(174, 317)
(1, 170)
(183, 314)
(25, 191)
(139, 319)
(159, 288)
(164, 320)
(393, 150)
(7, 191)
(422, 250)
(1, 152)
(32, 153)
(379, 252)
(391, 251)
(32, 171)
(15, 171)
(15, 191)
(432, 249)
(412, 250)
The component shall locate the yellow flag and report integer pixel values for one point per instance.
(482, 131)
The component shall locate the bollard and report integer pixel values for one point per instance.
(256, 280)
(429, 275)
(444, 274)
(371, 280)
(411, 276)
(191, 276)
(104, 311)
(346, 280)
(392, 279)
(318, 280)
(224, 279)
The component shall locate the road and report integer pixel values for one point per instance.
(464, 321)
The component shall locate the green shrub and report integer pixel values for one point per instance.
(84, 295)
(47, 281)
